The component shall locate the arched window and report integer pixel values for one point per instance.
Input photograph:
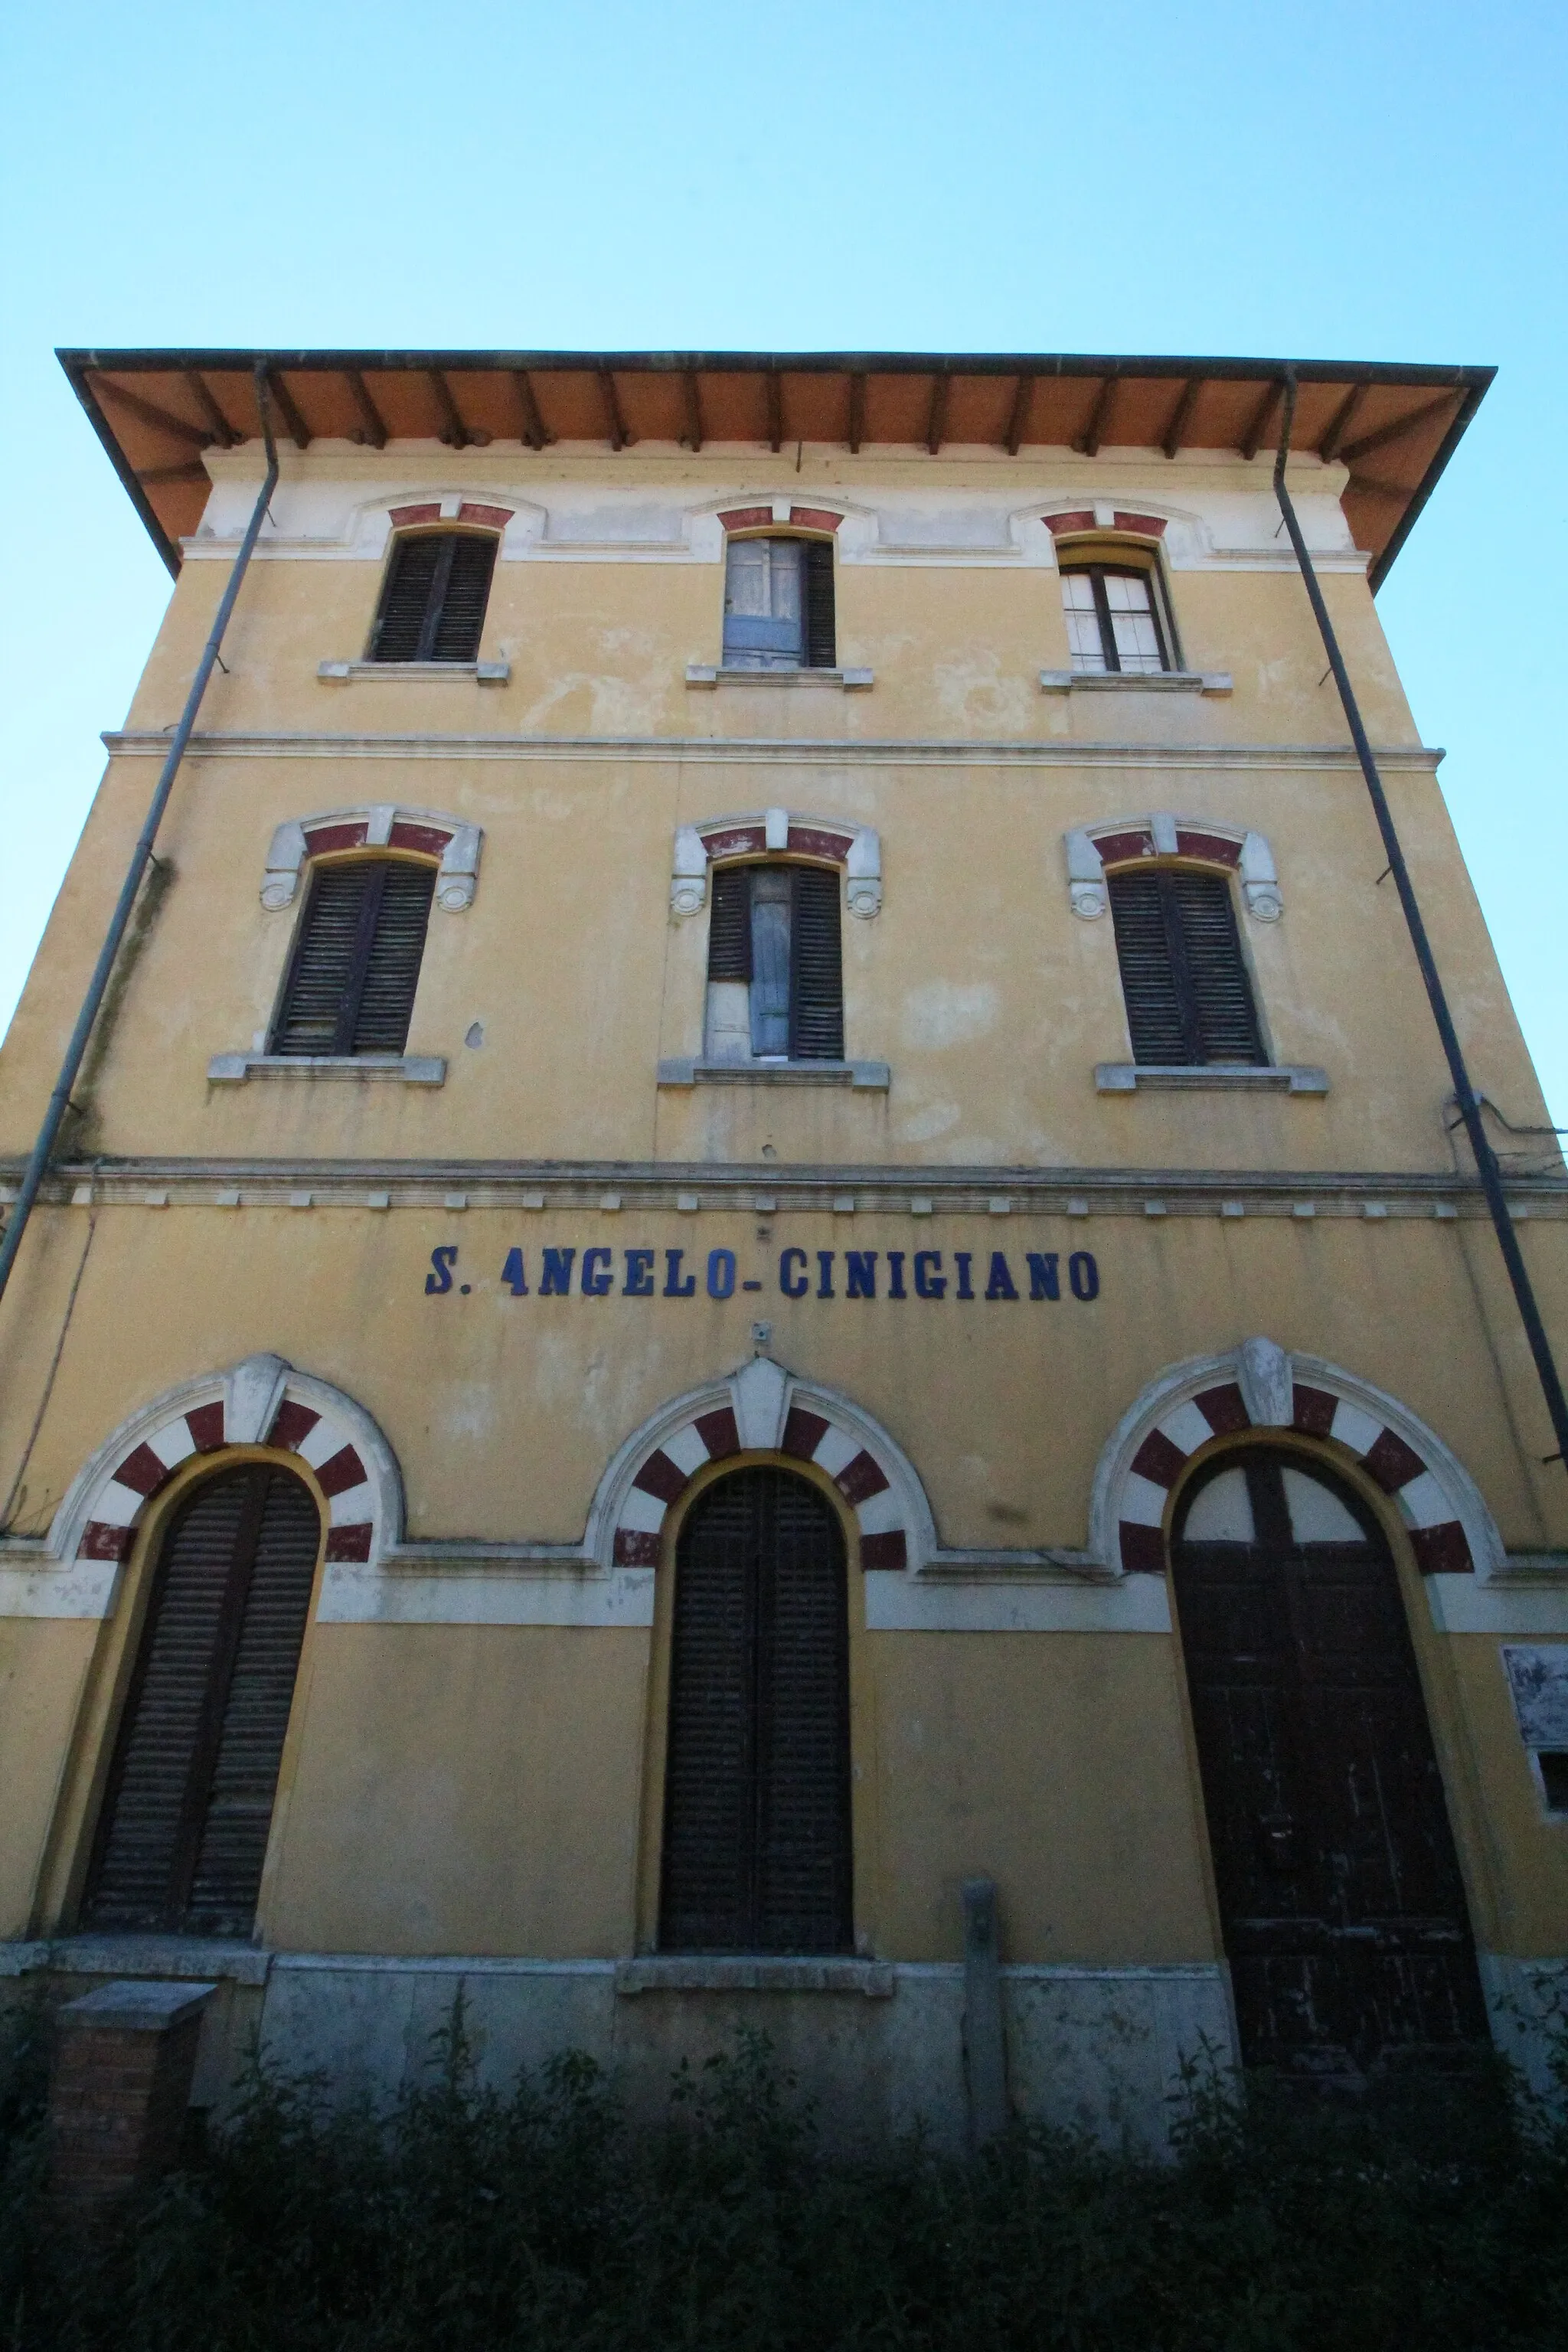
(1189, 998)
(775, 976)
(434, 598)
(188, 1807)
(1118, 619)
(757, 1850)
(352, 978)
(1340, 1893)
(778, 604)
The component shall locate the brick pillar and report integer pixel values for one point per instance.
(120, 2087)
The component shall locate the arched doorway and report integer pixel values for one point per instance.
(1344, 1911)
(188, 1806)
(757, 1851)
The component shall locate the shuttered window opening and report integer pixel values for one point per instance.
(356, 967)
(778, 604)
(776, 928)
(1188, 997)
(1113, 620)
(757, 1847)
(188, 1807)
(433, 604)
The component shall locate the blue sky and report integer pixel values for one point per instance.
(1381, 180)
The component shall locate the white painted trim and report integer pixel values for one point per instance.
(1504, 1604)
(1008, 1602)
(1255, 868)
(690, 858)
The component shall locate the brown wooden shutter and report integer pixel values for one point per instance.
(730, 924)
(433, 605)
(1188, 998)
(188, 1807)
(821, 634)
(816, 973)
(356, 967)
(757, 1852)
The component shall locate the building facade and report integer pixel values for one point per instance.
(766, 1222)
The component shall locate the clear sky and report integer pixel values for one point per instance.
(1377, 180)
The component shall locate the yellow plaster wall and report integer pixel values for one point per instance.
(44, 1664)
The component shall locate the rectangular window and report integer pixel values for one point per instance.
(355, 966)
(775, 986)
(1113, 620)
(778, 604)
(1188, 997)
(433, 605)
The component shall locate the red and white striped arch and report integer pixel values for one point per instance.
(1261, 1387)
(261, 1401)
(762, 1409)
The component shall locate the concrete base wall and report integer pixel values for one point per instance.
(877, 2048)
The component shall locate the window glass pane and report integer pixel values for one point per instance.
(770, 960)
(764, 605)
(1084, 647)
(1132, 620)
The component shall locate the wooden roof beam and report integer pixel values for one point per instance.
(1182, 416)
(615, 422)
(776, 411)
(224, 432)
(1397, 431)
(150, 413)
(856, 411)
(297, 430)
(1260, 420)
(152, 474)
(1093, 433)
(1023, 400)
(936, 415)
(371, 424)
(535, 432)
(693, 434)
(1328, 446)
(457, 434)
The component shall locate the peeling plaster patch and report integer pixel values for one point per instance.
(940, 1012)
(977, 694)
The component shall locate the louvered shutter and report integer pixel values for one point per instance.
(821, 634)
(1223, 1014)
(356, 967)
(1187, 994)
(188, 1807)
(392, 965)
(730, 924)
(816, 973)
(433, 605)
(757, 1852)
(457, 626)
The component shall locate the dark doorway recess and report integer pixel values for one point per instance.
(1344, 1911)
(757, 1854)
(188, 1807)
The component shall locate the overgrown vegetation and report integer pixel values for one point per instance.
(1432, 2213)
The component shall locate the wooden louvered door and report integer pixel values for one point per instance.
(355, 966)
(432, 606)
(188, 1807)
(1344, 1910)
(821, 631)
(757, 1850)
(1184, 977)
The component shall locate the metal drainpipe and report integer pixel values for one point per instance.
(1469, 1100)
(38, 1164)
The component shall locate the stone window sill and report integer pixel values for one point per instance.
(864, 1076)
(850, 681)
(412, 1069)
(1210, 1077)
(701, 1972)
(1111, 681)
(362, 673)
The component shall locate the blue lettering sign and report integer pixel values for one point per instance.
(860, 1266)
(556, 1281)
(792, 1273)
(896, 1275)
(720, 1273)
(513, 1275)
(928, 1283)
(673, 1285)
(597, 1276)
(1001, 1285)
(639, 1274)
(442, 1261)
(1043, 1281)
(965, 1259)
(1084, 1276)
